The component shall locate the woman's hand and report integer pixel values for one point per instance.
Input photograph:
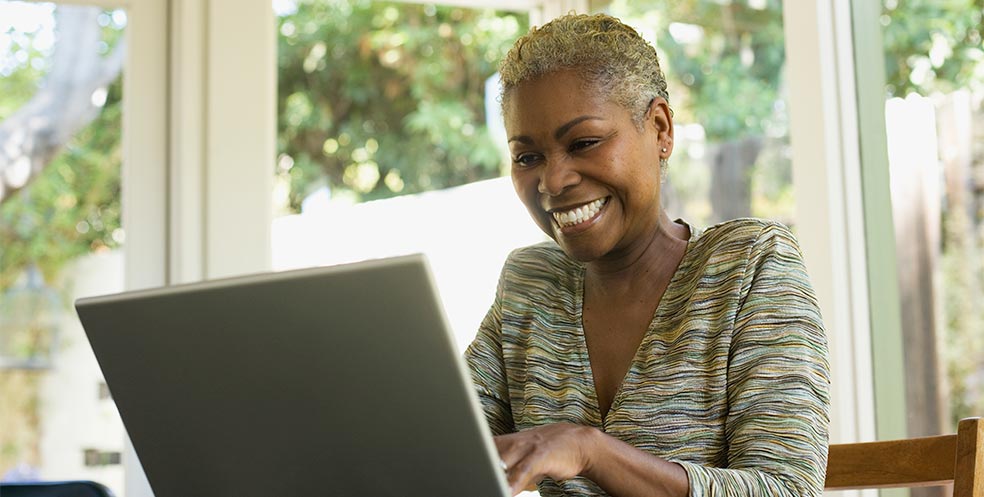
(559, 451)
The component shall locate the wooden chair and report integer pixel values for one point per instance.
(913, 462)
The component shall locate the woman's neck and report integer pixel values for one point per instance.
(651, 264)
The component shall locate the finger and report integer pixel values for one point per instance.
(510, 449)
(523, 474)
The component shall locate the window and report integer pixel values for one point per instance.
(390, 142)
(934, 115)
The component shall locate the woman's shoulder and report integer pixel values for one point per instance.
(543, 265)
(544, 256)
(747, 234)
(747, 228)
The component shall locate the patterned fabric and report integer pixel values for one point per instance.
(730, 380)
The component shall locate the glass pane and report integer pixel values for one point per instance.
(934, 60)
(60, 230)
(723, 61)
(390, 142)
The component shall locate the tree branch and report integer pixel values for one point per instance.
(67, 100)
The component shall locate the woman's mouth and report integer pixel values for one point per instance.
(580, 214)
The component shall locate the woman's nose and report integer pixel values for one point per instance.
(556, 176)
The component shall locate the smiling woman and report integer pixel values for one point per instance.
(558, 129)
(633, 354)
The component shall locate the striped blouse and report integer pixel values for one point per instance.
(730, 380)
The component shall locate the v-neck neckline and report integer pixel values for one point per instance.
(654, 321)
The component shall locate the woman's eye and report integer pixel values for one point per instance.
(525, 160)
(583, 144)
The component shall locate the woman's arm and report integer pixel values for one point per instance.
(778, 381)
(562, 451)
(488, 370)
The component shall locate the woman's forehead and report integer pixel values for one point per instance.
(555, 99)
(565, 90)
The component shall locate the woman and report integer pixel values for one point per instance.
(635, 355)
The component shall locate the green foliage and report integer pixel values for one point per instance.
(730, 72)
(963, 317)
(933, 45)
(73, 208)
(21, 67)
(732, 75)
(379, 99)
(724, 62)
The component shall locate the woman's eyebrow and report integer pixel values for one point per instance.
(561, 131)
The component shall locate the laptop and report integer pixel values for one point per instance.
(340, 380)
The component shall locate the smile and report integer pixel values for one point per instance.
(580, 214)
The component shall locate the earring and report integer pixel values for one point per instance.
(663, 150)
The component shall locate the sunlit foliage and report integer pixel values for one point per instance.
(73, 208)
(379, 99)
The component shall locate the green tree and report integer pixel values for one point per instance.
(376, 99)
(730, 69)
(933, 45)
(71, 205)
(379, 99)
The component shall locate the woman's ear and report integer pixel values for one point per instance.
(660, 117)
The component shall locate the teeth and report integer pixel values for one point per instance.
(580, 214)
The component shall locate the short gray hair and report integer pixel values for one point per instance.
(609, 54)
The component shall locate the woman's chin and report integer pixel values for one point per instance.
(579, 251)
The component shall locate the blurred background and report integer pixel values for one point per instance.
(389, 141)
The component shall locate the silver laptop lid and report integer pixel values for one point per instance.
(329, 381)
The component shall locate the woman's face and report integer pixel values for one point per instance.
(588, 175)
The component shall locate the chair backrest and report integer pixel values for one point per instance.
(913, 462)
(82, 488)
